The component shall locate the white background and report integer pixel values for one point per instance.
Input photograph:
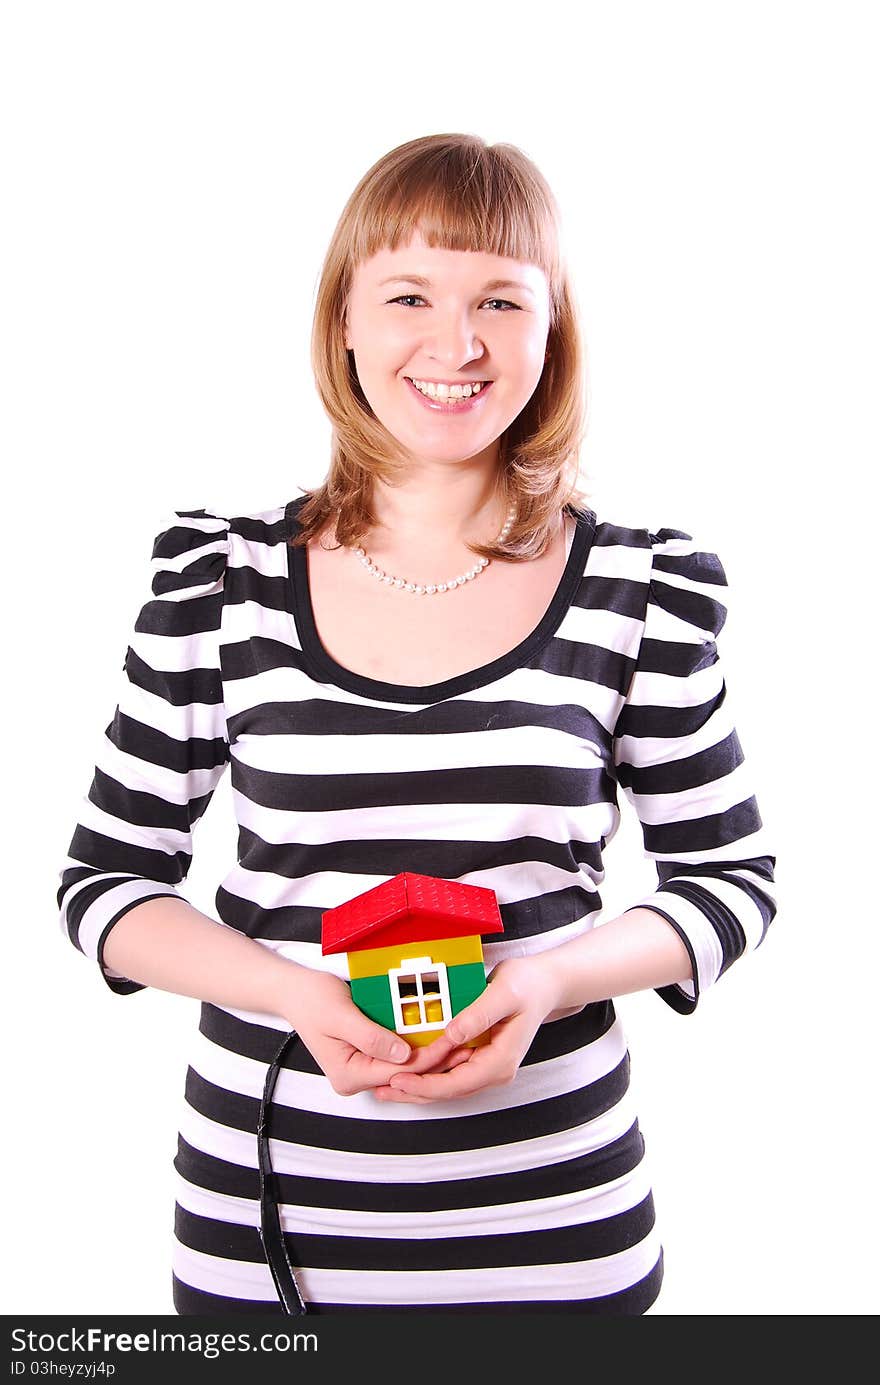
(172, 173)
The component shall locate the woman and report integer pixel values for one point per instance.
(439, 661)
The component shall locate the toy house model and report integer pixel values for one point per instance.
(415, 957)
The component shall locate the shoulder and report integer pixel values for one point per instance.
(190, 553)
(665, 549)
(194, 549)
(679, 574)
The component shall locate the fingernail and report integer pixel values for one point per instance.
(399, 1053)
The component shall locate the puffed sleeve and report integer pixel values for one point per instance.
(165, 750)
(679, 761)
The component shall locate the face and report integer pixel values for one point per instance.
(438, 317)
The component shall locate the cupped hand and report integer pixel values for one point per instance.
(354, 1052)
(521, 995)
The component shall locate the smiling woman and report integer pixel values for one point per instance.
(472, 731)
(459, 221)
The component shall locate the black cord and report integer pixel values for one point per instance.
(271, 1233)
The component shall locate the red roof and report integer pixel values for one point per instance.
(410, 908)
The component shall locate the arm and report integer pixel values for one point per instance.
(169, 944)
(636, 952)
(163, 755)
(679, 761)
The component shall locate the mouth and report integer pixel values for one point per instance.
(450, 405)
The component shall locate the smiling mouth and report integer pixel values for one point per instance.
(451, 404)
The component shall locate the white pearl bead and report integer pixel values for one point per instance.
(402, 584)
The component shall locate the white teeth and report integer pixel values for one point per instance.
(448, 391)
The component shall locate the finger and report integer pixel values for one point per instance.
(443, 1086)
(388, 1094)
(492, 1063)
(424, 1057)
(452, 1060)
(464, 1080)
(372, 1039)
(494, 1005)
(459, 1056)
(363, 1071)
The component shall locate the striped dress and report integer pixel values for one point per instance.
(534, 1195)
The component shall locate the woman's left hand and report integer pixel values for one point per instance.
(521, 994)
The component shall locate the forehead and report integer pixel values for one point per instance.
(436, 266)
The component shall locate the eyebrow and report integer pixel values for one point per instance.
(424, 283)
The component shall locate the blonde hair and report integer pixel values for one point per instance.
(460, 194)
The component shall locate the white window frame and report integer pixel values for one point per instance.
(413, 969)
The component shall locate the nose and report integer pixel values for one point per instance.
(454, 342)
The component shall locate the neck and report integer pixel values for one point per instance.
(452, 507)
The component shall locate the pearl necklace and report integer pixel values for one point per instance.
(435, 588)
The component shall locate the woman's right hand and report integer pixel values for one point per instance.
(352, 1050)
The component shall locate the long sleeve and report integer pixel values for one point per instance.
(679, 761)
(165, 750)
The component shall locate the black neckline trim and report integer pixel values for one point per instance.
(329, 671)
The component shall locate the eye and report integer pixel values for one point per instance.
(410, 297)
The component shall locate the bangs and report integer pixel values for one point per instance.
(463, 196)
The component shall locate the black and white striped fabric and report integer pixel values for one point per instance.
(534, 1195)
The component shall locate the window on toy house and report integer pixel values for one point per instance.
(420, 994)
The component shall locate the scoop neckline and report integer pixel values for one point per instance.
(329, 670)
